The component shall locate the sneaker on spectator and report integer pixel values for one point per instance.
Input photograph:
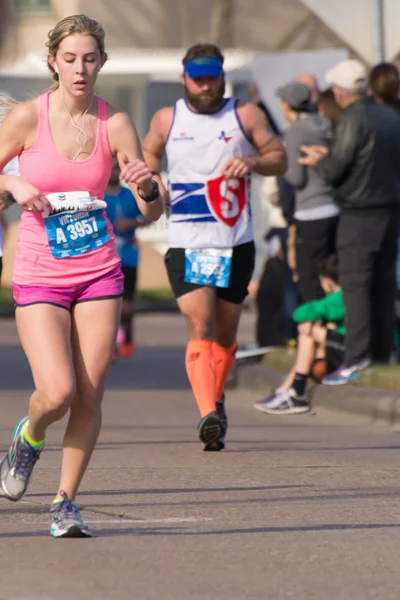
(345, 374)
(284, 402)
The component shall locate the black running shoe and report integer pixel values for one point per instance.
(210, 430)
(224, 420)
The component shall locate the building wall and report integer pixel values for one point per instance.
(28, 33)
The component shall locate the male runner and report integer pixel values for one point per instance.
(212, 144)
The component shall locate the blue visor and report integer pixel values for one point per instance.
(203, 66)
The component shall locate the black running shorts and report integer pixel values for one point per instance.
(241, 272)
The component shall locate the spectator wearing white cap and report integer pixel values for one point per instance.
(316, 214)
(363, 165)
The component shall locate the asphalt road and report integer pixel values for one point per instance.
(295, 507)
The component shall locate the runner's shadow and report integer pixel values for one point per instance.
(182, 531)
(177, 491)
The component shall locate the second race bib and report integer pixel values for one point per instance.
(208, 266)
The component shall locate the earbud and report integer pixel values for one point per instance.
(56, 69)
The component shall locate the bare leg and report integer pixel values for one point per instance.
(92, 350)
(198, 308)
(304, 332)
(44, 331)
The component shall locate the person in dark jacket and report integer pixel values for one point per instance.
(363, 165)
(384, 85)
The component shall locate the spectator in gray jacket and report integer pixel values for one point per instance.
(316, 214)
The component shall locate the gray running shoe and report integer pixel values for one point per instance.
(17, 465)
(284, 402)
(67, 520)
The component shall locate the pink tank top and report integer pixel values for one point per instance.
(45, 168)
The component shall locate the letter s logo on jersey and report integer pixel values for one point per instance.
(227, 198)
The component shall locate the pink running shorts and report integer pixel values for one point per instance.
(102, 288)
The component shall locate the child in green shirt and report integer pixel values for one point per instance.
(320, 345)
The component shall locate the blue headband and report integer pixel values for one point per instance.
(203, 66)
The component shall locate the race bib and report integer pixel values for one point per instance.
(208, 266)
(74, 224)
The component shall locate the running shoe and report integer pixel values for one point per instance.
(284, 402)
(67, 520)
(17, 465)
(345, 374)
(126, 349)
(210, 430)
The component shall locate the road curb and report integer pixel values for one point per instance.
(376, 405)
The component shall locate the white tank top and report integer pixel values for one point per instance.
(207, 211)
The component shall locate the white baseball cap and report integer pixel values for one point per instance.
(349, 74)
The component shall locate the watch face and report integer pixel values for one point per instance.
(153, 195)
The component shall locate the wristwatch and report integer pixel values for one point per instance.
(153, 196)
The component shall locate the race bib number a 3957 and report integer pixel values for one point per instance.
(73, 234)
(227, 198)
(74, 224)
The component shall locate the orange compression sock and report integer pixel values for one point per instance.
(200, 368)
(224, 361)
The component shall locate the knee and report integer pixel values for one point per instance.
(87, 403)
(57, 401)
(304, 328)
(200, 328)
(318, 332)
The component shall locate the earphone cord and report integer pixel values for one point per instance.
(81, 128)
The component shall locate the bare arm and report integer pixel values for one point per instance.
(17, 133)
(125, 144)
(156, 139)
(272, 156)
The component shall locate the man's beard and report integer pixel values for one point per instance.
(206, 102)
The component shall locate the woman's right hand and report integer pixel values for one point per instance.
(27, 195)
